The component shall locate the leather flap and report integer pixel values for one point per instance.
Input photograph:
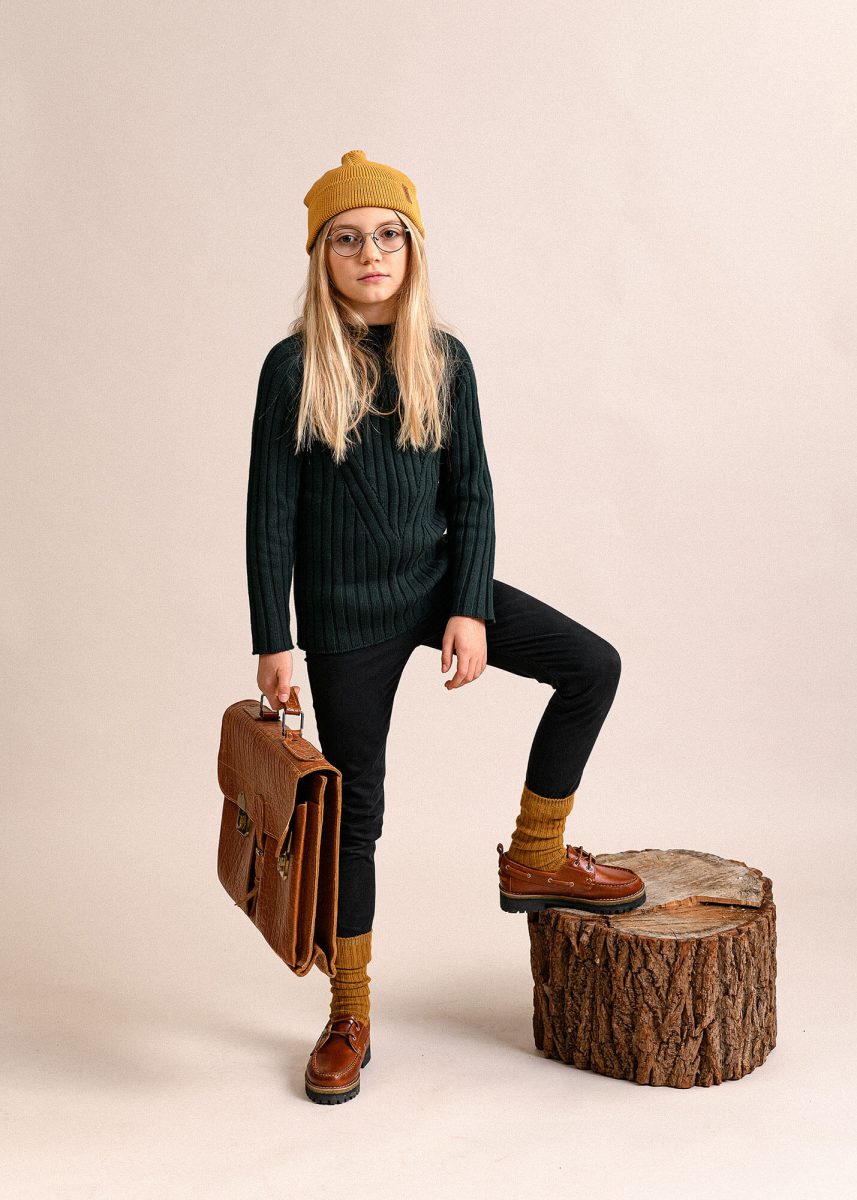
(260, 771)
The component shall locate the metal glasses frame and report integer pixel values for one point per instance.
(363, 237)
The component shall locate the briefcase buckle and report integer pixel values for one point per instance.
(242, 821)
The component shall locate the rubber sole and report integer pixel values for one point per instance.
(526, 904)
(337, 1095)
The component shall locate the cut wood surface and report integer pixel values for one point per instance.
(679, 992)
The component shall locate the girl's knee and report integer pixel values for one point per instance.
(604, 665)
(594, 666)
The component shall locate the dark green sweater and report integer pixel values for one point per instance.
(374, 542)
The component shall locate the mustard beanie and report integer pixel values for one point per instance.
(356, 183)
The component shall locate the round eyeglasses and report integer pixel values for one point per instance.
(348, 241)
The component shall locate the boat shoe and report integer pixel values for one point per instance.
(581, 881)
(333, 1071)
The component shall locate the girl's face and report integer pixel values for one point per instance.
(369, 278)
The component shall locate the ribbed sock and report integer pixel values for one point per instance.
(538, 840)
(349, 987)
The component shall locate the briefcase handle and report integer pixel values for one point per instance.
(292, 705)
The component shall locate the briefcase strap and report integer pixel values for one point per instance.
(292, 707)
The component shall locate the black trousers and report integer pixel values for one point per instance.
(353, 694)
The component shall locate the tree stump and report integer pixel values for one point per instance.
(677, 993)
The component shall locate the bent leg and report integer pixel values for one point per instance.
(532, 639)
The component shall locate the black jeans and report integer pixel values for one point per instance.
(353, 693)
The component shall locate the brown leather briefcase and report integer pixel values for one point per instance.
(278, 853)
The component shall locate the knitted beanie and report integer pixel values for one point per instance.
(358, 183)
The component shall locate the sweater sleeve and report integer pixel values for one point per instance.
(272, 501)
(469, 499)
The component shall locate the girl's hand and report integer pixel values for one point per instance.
(274, 678)
(464, 637)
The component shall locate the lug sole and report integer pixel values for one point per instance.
(535, 903)
(337, 1095)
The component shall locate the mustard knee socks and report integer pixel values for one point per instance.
(349, 987)
(538, 840)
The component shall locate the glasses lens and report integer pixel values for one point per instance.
(390, 237)
(347, 241)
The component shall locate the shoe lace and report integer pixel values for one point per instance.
(347, 1031)
(586, 855)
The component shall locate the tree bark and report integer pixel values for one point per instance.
(680, 992)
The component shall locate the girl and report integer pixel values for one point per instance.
(370, 484)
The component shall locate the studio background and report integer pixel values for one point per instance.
(640, 221)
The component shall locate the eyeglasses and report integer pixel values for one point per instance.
(348, 241)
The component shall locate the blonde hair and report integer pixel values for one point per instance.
(340, 376)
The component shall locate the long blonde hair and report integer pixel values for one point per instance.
(340, 376)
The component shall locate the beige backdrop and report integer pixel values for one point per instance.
(640, 220)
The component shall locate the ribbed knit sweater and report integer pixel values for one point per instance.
(373, 543)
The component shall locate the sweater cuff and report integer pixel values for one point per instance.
(480, 603)
(273, 648)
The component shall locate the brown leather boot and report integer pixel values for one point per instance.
(579, 882)
(333, 1071)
